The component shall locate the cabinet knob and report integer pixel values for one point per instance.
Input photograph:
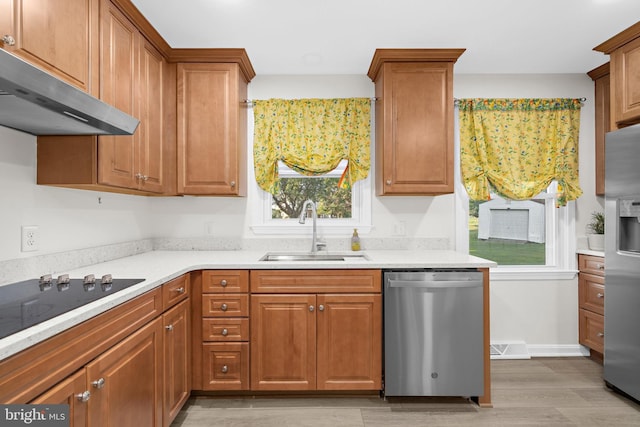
(600, 266)
(223, 283)
(225, 369)
(225, 332)
(8, 40)
(224, 307)
(600, 295)
(601, 334)
(388, 182)
(84, 396)
(233, 184)
(99, 383)
(180, 290)
(311, 308)
(169, 328)
(321, 307)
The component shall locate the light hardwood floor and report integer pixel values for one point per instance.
(546, 392)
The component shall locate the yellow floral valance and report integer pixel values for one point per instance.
(311, 136)
(519, 146)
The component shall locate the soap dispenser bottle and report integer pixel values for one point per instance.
(355, 240)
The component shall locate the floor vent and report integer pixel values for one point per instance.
(509, 350)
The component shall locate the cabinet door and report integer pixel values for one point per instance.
(177, 356)
(60, 37)
(126, 381)
(73, 392)
(625, 83)
(349, 342)
(283, 342)
(152, 136)
(210, 137)
(414, 148)
(117, 155)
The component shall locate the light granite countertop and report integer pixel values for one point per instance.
(158, 267)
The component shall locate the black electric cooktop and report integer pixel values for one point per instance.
(30, 302)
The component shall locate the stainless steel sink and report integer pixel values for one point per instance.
(305, 257)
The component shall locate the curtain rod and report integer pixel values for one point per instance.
(250, 101)
(456, 100)
(583, 99)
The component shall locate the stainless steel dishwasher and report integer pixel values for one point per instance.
(433, 333)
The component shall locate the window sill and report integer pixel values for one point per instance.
(534, 274)
(306, 229)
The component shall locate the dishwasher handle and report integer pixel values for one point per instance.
(434, 283)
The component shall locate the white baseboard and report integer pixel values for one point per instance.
(501, 350)
(557, 350)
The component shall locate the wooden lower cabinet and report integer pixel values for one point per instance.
(126, 381)
(223, 331)
(349, 342)
(316, 342)
(591, 294)
(73, 392)
(130, 366)
(177, 360)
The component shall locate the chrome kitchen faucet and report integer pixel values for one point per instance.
(303, 216)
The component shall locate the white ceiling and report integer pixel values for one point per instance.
(340, 36)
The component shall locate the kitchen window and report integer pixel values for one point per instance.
(339, 210)
(530, 240)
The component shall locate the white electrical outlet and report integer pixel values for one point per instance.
(29, 238)
(399, 229)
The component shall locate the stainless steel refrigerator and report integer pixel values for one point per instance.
(622, 261)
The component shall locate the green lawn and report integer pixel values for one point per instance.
(505, 252)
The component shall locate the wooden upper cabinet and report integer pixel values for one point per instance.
(414, 120)
(212, 128)
(119, 80)
(60, 37)
(624, 51)
(602, 89)
(136, 78)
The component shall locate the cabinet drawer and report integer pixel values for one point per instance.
(223, 329)
(591, 264)
(225, 366)
(591, 292)
(592, 330)
(225, 281)
(315, 281)
(231, 305)
(175, 291)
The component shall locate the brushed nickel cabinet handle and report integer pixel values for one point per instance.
(311, 308)
(8, 40)
(600, 295)
(180, 290)
(224, 307)
(223, 283)
(601, 334)
(84, 396)
(225, 332)
(99, 383)
(225, 369)
(169, 328)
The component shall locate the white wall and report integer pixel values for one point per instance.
(67, 219)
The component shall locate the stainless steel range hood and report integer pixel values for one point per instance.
(38, 103)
